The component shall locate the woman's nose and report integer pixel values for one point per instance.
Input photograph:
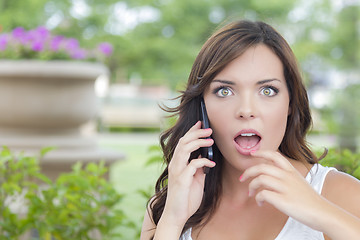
(246, 108)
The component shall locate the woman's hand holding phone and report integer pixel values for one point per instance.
(186, 179)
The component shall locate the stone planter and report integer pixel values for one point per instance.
(48, 95)
(46, 103)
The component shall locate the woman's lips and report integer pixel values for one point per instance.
(246, 141)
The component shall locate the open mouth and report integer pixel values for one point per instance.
(247, 141)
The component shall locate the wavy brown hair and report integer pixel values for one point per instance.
(218, 51)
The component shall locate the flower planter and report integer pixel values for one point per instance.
(46, 104)
(48, 95)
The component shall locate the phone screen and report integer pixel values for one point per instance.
(206, 152)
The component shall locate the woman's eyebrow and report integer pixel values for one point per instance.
(267, 81)
(261, 82)
(224, 81)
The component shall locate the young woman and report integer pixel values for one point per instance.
(264, 181)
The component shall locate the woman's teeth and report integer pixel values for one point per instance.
(247, 140)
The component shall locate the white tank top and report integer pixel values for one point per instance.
(294, 230)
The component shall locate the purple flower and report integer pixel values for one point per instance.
(72, 44)
(41, 40)
(105, 48)
(56, 43)
(41, 32)
(79, 54)
(28, 37)
(3, 42)
(37, 46)
(18, 33)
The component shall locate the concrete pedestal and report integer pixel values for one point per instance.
(46, 103)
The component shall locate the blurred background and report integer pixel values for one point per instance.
(154, 45)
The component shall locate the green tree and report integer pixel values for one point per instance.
(160, 51)
(167, 48)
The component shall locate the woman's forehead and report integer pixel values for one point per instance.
(258, 62)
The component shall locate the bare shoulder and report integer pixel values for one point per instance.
(148, 226)
(343, 190)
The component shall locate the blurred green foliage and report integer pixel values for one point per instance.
(342, 117)
(343, 160)
(162, 50)
(81, 204)
(170, 45)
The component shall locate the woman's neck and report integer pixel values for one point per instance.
(232, 188)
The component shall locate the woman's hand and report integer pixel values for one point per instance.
(278, 183)
(186, 180)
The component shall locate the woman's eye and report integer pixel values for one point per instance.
(224, 92)
(269, 91)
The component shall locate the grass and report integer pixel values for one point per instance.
(131, 175)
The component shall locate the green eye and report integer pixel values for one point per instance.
(224, 92)
(269, 91)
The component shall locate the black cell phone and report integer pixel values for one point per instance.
(206, 152)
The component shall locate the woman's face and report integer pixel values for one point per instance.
(248, 105)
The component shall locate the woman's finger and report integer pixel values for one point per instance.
(192, 171)
(265, 182)
(262, 168)
(194, 145)
(194, 139)
(182, 153)
(275, 157)
(268, 196)
(195, 132)
(196, 164)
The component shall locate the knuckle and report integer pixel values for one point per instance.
(262, 194)
(196, 163)
(193, 162)
(262, 179)
(255, 184)
(263, 166)
(181, 140)
(257, 181)
(185, 150)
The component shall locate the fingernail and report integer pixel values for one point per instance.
(207, 129)
(240, 178)
(213, 164)
(252, 151)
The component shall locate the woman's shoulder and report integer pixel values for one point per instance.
(339, 182)
(343, 190)
(148, 226)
